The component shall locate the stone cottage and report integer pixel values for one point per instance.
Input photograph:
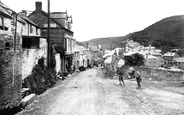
(34, 46)
(10, 59)
(60, 36)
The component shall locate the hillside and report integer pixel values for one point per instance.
(109, 42)
(165, 34)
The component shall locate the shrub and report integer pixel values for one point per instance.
(82, 68)
(134, 60)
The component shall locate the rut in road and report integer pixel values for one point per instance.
(90, 93)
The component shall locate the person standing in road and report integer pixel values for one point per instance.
(120, 73)
(138, 79)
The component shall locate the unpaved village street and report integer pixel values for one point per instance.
(90, 93)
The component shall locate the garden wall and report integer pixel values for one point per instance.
(160, 73)
(31, 56)
(10, 71)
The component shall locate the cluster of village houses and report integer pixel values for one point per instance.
(153, 57)
(24, 40)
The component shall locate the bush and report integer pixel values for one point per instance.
(60, 49)
(82, 68)
(134, 60)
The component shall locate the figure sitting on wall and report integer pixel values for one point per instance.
(131, 72)
(72, 69)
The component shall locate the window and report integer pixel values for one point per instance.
(52, 25)
(1, 21)
(31, 29)
(7, 45)
(71, 45)
(30, 43)
(36, 31)
(65, 44)
(68, 46)
(2, 25)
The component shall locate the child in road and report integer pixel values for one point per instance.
(138, 79)
(120, 74)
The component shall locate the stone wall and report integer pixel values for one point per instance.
(10, 71)
(40, 79)
(31, 56)
(160, 73)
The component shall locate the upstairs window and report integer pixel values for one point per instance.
(31, 29)
(2, 25)
(37, 31)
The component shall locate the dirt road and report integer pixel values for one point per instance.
(89, 93)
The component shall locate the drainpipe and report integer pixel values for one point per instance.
(48, 36)
(64, 45)
(15, 42)
(15, 32)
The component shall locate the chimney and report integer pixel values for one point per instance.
(38, 6)
(24, 12)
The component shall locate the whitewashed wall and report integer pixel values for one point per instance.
(20, 27)
(30, 57)
(7, 23)
(25, 29)
(58, 63)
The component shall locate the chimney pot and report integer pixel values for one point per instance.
(38, 6)
(24, 12)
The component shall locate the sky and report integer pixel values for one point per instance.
(106, 18)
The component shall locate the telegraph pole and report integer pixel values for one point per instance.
(48, 35)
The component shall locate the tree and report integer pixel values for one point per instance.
(134, 60)
(138, 59)
(181, 52)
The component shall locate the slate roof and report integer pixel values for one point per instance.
(27, 19)
(169, 54)
(180, 59)
(59, 15)
(93, 48)
(39, 21)
(20, 19)
(3, 9)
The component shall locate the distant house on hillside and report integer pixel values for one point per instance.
(153, 61)
(118, 51)
(168, 58)
(96, 54)
(80, 57)
(179, 62)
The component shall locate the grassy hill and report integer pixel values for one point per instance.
(109, 42)
(165, 34)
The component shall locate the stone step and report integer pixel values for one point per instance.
(27, 100)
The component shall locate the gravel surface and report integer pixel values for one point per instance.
(91, 93)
